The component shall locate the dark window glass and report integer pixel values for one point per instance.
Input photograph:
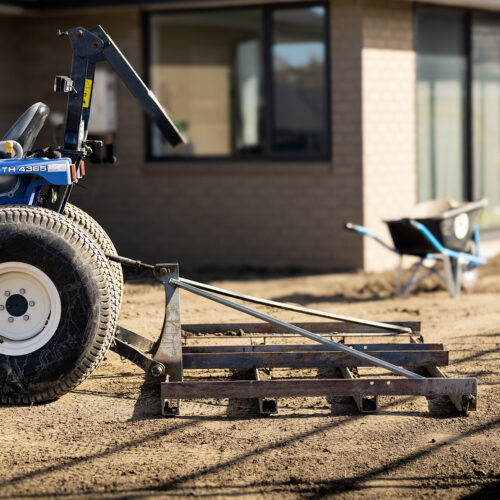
(298, 55)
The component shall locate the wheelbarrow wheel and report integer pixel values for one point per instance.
(58, 309)
(84, 220)
(469, 271)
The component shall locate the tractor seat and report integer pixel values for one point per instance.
(27, 127)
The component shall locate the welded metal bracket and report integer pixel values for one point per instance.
(267, 406)
(365, 404)
(138, 358)
(464, 402)
(168, 349)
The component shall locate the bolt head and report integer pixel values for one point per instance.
(2, 308)
(22, 291)
(26, 317)
(11, 319)
(157, 370)
(31, 303)
(7, 293)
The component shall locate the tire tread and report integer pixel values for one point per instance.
(89, 250)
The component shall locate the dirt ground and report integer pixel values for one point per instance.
(106, 439)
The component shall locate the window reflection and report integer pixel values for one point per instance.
(299, 80)
(486, 115)
(441, 79)
(207, 67)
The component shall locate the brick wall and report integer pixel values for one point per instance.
(389, 148)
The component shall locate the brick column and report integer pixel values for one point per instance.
(389, 140)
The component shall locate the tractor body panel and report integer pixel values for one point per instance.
(22, 179)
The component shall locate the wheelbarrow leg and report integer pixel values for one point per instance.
(411, 281)
(399, 278)
(452, 276)
(458, 276)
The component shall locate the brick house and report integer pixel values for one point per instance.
(301, 116)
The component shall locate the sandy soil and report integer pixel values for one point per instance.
(106, 439)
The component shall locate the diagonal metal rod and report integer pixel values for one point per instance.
(291, 307)
(287, 326)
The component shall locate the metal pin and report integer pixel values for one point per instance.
(31, 303)
(26, 317)
(22, 291)
(7, 293)
(11, 319)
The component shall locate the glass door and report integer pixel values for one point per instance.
(486, 116)
(441, 104)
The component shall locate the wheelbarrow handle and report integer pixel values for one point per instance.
(366, 232)
(351, 227)
(359, 229)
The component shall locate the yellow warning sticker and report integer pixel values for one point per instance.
(87, 92)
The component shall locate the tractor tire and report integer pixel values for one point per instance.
(58, 309)
(83, 219)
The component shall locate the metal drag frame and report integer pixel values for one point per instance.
(170, 355)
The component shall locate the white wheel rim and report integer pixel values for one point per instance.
(30, 308)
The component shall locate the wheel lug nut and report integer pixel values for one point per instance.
(22, 291)
(2, 308)
(31, 303)
(26, 317)
(11, 319)
(7, 293)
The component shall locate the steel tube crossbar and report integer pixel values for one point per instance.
(289, 327)
(311, 359)
(291, 307)
(335, 387)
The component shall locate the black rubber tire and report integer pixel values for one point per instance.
(78, 268)
(83, 219)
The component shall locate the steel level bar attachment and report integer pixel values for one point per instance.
(184, 284)
(291, 307)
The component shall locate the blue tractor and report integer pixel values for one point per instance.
(60, 292)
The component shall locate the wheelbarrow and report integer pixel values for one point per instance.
(443, 235)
